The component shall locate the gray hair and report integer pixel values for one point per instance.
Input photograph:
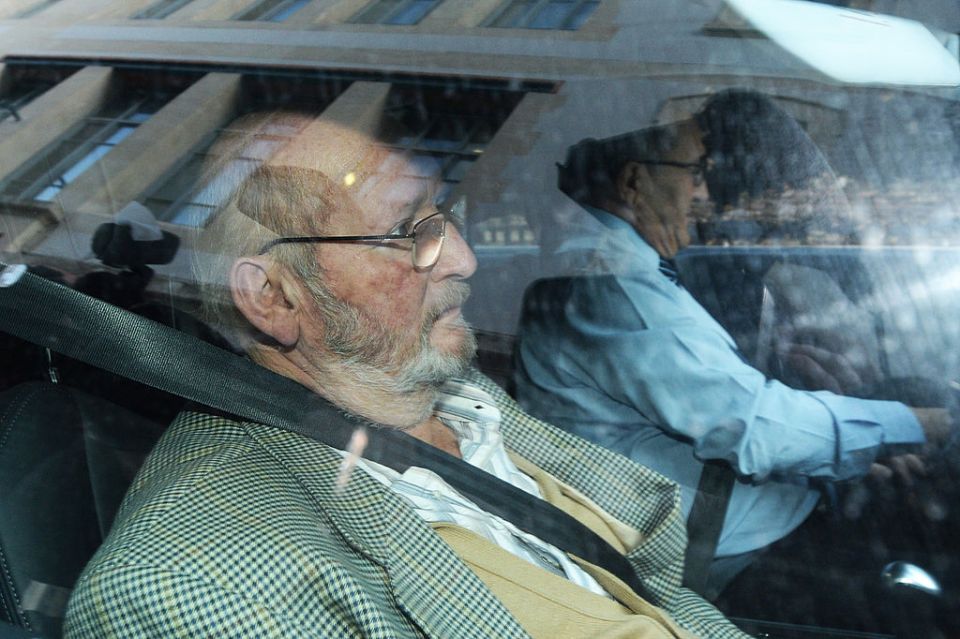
(260, 205)
(592, 166)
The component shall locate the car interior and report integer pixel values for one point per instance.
(495, 93)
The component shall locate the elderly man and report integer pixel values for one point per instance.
(627, 358)
(241, 529)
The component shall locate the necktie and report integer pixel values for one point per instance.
(669, 269)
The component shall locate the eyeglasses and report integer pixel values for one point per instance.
(698, 169)
(427, 235)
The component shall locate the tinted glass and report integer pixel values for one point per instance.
(708, 235)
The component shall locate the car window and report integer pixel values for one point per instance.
(715, 232)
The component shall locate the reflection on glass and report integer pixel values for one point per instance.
(83, 164)
(37, 8)
(212, 195)
(19, 97)
(544, 14)
(181, 200)
(412, 13)
(68, 158)
(399, 12)
(273, 10)
(161, 9)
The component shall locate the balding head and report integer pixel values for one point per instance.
(279, 174)
(352, 319)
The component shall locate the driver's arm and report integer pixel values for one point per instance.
(646, 344)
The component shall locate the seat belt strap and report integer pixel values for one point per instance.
(100, 334)
(706, 521)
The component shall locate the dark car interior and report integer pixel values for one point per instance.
(72, 438)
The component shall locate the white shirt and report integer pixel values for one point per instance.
(474, 418)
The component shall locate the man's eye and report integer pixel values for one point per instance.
(403, 228)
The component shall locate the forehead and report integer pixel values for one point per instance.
(688, 145)
(400, 180)
(371, 174)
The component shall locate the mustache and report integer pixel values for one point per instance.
(455, 294)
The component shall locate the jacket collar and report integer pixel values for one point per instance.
(637, 496)
(429, 582)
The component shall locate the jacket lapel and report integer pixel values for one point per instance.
(634, 495)
(431, 585)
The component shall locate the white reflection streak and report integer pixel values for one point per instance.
(358, 443)
(945, 282)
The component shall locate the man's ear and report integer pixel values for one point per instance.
(263, 294)
(632, 181)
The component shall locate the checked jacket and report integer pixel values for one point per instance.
(235, 529)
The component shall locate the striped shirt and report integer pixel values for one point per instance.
(474, 418)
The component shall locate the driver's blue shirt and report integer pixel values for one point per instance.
(635, 364)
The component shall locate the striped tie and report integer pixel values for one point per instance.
(669, 269)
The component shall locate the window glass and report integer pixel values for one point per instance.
(544, 14)
(413, 12)
(451, 126)
(550, 16)
(395, 12)
(79, 149)
(188, 196)
(23, 84)
(514, 14)
(273, 10)
(190, 204)
(580, 14)
(36, 8)
(719, 240)
(161, 9)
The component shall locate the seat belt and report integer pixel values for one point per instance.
(706, 521)
(100, 334)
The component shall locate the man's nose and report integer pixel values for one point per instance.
(456, 258)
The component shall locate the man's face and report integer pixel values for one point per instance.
(379, 310)
(677, 186)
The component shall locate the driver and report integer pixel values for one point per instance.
(630, 360)
(240, 529)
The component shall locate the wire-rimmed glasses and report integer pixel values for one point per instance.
(427, 236)
(698, 169)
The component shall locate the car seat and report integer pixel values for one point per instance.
(66, 459)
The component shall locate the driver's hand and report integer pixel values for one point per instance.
(904, 467)
(937, 425)
(823, 369)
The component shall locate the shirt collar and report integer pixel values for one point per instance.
(474, 418)
(619, 247)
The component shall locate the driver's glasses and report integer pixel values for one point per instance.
(698, 169)
(427, 236)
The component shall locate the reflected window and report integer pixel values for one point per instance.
(11, 103)
(181, 200)
(566, 15)
(448, 129)
(161, 9)
(273, 10)
(188, 195)
(37, 8)
(24, 84)
(395, 12)
(81, 147)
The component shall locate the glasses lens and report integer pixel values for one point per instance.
(428, 241)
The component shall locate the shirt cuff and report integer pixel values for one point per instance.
(900, 425)
(868, 429)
